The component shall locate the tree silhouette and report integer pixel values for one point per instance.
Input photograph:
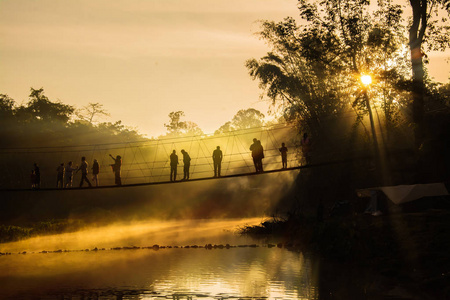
(6, 107)
(312, 73)
(424, 29)
(91, 112)
(176, 127)
(40, 108)
(243, 119)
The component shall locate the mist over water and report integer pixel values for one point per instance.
(115, 257)
(154, 274)
(141, 234)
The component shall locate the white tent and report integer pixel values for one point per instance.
(406, 193)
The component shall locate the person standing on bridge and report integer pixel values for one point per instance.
(116, 169)
(60, 176)
(217, 159)
(253, 148)
(173, 165)
(95, 171)
(84, 171)
(283, 151)
(306, 148)
(187, 164)
(257, 154)
(260, 153)
(68, 174)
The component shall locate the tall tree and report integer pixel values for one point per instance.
(243, 119)
(91, 112)
(40, 108)
(424, 29)
(313, 71)
(177, 127)
(6, 107)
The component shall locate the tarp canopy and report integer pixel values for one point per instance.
(405, 193)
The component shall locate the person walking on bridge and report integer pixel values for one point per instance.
(68, 174)
(84, 171)
(217, 159)
(186, 164)
(116, 169)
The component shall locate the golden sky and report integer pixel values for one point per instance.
(142, 59)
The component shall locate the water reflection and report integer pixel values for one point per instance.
(238, 272)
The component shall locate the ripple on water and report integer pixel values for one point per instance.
(141, 271)
(186, 273)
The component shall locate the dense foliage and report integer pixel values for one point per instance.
(312, 75)
(41, 122)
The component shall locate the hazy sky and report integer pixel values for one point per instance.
(142, 59)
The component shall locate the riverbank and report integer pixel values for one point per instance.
(12, 233)
(406, 254)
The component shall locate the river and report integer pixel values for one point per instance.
(155, 260)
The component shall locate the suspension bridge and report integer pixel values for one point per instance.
(146, 189)
(146, 162)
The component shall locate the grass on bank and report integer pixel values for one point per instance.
(11, 233)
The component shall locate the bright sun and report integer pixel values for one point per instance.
(366, 79)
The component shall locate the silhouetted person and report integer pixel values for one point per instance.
(173, 166)
(260, 152)
(68, 174)
(217, 159)
(33, 179)
(95, 171)
(306, 148)
(253, 148)
(186, 164)
(257, 154)
(84, 171)
(37, 172)
(60, 176)
(283, 151)
(116, 169)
